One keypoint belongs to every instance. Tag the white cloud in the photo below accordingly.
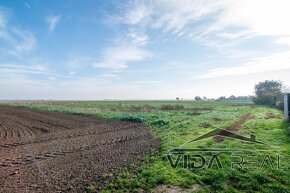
(108, 76)
(277, 61)
(183, 18)
(262, 17)
(139, 11)
(283, 40)
(126, 49)
(129, 47)
(2, 19)
(28, 42)
(236, 35)
(17, 40)
(23, 69)
(79, 62)
(138, 38)
(118, 57)
(171, 16)
(52, 22)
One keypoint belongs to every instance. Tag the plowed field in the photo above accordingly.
(57, 152)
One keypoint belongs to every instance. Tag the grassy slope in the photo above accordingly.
(175, 123)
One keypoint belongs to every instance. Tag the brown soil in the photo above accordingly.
(235, 127)
(57, 152)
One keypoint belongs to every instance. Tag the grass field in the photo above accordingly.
(177, 122)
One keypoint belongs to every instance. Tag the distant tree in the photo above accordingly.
(269, 86)
(232, 97)
(204, 98)
(268, 92)
(221, 98)
(177, 98)
(197, 98)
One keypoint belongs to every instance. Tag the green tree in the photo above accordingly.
(232, 97)
(197, 98)
(221, 98)
(268, 92)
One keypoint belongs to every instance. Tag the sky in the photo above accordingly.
(153, 49)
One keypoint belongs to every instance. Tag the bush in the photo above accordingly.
(268, 99)
(269, 92)
(131, 118)
(280, 105)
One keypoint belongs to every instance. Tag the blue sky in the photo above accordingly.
(159, 49)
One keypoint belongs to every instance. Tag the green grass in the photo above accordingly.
(90, 188)
(177, 122)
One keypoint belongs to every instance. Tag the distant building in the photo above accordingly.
(236, 100)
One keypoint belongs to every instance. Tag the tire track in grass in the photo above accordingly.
(235, 127)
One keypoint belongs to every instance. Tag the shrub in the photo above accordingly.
(267, 99)
(280, 105)
(132, 118)
(269, 92)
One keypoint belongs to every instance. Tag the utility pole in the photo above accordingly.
(286, 106)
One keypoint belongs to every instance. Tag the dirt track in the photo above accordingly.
(57, 152)
(235, 127)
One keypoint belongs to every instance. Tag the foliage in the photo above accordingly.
(280, 105)
(197, 98)
(266, 99)
(268, 86)
(131, 118)
(268, 92)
